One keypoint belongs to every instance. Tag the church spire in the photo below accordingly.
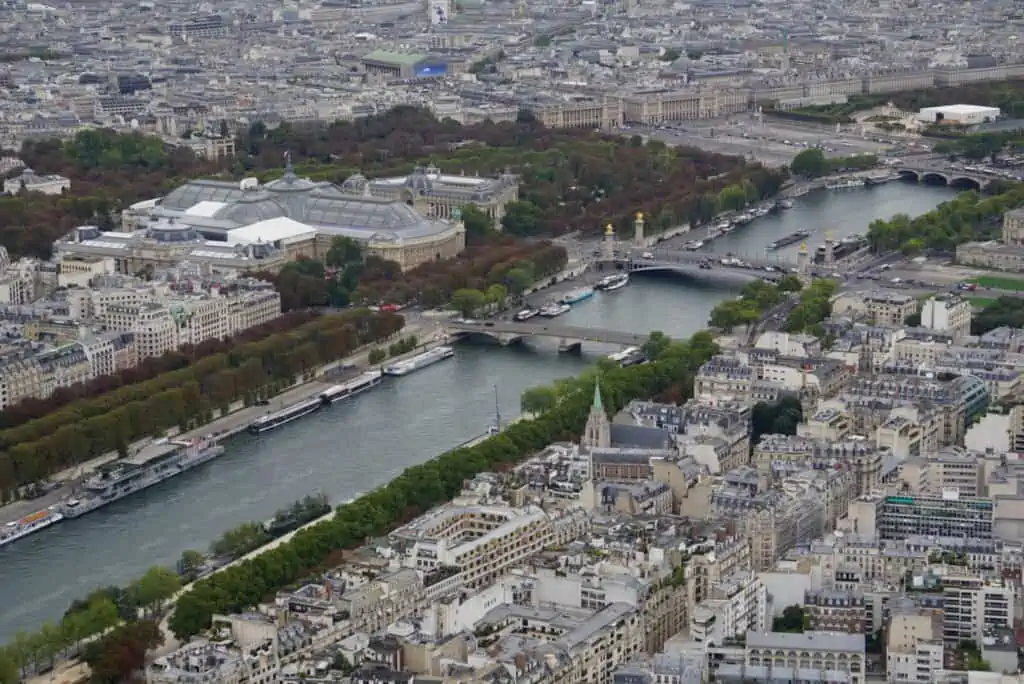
(597, 432)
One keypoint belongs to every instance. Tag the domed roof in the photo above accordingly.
(290, 183)
(171, 232)
(421, 179)
(252, 210)
(355, 183)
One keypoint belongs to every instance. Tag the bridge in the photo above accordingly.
(707, 264)
(945, 174)
(507, 332)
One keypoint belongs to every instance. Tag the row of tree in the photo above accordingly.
(147, 369)
(128, 610)
(421, 487)
(813, 163)
(814, 307)
(756, 297)
(969, 216)
(185, 398)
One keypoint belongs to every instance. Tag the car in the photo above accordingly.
(647, 255)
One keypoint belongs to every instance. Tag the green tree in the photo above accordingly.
(656, 345)
(476, 221)
(518, 280)
(376, 356)
(810, 163)
(521, 218)
(153, 588)
(775, 418)
(538, 400)
(790, 283)
(9, 670)
(468, 301)
(344, 251)
(732, 198)
(497, 294)
(793, 620)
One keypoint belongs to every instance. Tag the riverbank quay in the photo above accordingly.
(422, 487)
(236, 420)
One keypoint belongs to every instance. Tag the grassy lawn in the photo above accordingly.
(999, 283)
(980, 302)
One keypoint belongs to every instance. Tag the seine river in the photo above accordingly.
(356, 446)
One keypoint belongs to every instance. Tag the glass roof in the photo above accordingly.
(193, 193)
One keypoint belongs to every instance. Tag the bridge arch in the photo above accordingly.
(909, 174)
(933, 178)
(964, 182)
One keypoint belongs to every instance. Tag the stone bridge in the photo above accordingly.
(507, 332)
(946, 175)
(709, 264)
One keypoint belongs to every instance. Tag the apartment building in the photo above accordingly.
(882, 308)
(856, 455)
(902, 516)
(836, 611)
(821, 651)
(973, 604)
(947, 314)
(914, 646)
(483, 540)
(950, 469)
(736, 604)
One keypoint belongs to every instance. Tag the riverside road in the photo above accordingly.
(357, 445)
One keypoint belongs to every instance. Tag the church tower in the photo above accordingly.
(598, 432)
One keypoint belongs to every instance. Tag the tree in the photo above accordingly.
(344, 251)
(376, 356)
(790, 283)
(538, 400)
(793, 620)
(468, 301)
(810, 163)
(476, 221)
(775, 418)
(153, 588)
(656, 344)
(521, 218)
(732, 198)
(119, 655)
(496, 295)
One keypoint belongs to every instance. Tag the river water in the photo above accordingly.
(355, 446)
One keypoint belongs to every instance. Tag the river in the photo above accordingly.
(355, 446)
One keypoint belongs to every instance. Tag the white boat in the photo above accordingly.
(153, 464)
(285, 415)
(615, 282)
(13, 531)
(525, 315)
(847, 184)
(556, 309)
(351, 388)
(693, 245)
(423, 360)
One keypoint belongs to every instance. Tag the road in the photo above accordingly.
(416, 325)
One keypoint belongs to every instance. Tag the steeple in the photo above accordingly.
(598, 431)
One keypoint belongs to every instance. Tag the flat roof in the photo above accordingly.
(825, 641)
(398, 58)
(269, 230)
(961, 109)
(206, 208)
